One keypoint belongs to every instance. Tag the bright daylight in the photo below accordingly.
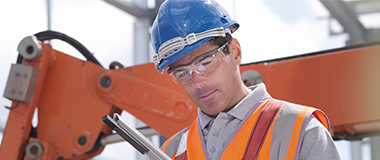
(190, 79)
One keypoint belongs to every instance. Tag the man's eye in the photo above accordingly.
(206, 63)
(182, 74)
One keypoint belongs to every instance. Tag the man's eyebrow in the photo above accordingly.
(203, 58)
(200, 59)
(180, 69)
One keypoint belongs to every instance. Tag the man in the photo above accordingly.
(192, 38)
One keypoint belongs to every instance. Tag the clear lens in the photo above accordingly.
(202, 65)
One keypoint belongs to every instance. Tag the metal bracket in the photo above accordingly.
(21, 82)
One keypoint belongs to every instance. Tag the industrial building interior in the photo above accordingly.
(354, 22)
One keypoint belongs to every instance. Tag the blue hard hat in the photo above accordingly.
(182, 26)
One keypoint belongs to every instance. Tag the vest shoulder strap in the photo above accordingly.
(261, 128)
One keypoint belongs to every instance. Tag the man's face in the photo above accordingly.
(219, 90)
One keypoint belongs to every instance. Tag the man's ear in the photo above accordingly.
(236, 51)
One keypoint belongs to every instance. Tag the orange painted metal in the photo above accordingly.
(71, 99)
(344, 84)
(70, 109)
(48, 150)
(151, 97)
(17, 131)
(71, 103)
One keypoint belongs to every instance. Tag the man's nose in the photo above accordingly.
(198, 79)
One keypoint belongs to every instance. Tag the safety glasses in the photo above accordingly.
(175, 45)
(202, 65)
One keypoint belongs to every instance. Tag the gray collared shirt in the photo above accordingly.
(218, 131)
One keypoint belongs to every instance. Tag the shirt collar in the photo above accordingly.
(258, 92)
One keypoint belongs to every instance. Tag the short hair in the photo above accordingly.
(219, 41)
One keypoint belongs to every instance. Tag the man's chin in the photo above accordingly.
(211, 112)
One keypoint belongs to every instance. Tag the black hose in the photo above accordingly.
(19, 59)
(49, 35)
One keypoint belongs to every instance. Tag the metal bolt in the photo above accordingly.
(29, 49)
(82, 140)
(34, 150)
(105, 81)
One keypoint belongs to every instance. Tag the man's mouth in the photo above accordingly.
(207, 95)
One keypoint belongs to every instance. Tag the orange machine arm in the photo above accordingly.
(344, 83)
(72, 96)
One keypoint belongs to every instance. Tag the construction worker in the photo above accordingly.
(193, 44)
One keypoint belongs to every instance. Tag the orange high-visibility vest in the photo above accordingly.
(188, 144)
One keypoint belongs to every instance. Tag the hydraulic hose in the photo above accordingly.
(49, 35)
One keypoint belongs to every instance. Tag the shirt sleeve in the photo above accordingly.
(317, 143)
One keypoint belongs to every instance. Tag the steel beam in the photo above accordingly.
(133, 9)
(1, 128)
(365, 7)
(375, 147)
(347, 17)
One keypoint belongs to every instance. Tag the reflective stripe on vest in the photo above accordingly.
(170, 147)
(283, 139)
